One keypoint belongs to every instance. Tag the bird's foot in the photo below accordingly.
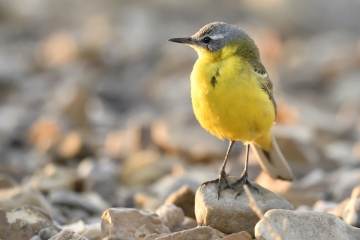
(222, 175)
(243, 180)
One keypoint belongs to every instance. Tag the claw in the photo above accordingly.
(222, 175)
(242, 181)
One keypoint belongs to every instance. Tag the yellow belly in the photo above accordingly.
(234, 106)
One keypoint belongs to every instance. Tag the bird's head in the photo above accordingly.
(215, 37)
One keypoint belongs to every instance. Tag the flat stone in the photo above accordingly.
(130, 223)
(304, 225)
(199, 233)
(229, 214)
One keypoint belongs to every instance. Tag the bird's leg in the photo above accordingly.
(222, 174)
(244, 176)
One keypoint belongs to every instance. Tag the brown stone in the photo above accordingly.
(185, 199)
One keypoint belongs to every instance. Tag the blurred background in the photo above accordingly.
(93, 98)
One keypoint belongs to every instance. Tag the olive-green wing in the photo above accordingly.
(264, 80)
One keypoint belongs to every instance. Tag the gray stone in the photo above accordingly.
(67, 234)
(47, 233)
(130, 223)
(229, 214)
(23, 223)
(171, 215)
(304, 225)
(199, 233)
(20, 196)
(76, 200)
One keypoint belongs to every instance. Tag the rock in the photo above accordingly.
(47, 233)
(144, 167)
(189, 223)
(324, 206)
(67, 234)
(351, 213)
(7, 181)
(185, 199)
(355, 192)
(44, 133)
(229, 214)
(131, 223)
(36, 237)
(20, 196)
(53, 177)
(171, 215)
(305, 191)
(339, 209)
(199, 233)
(78, 227)
(172, 135)
(23, 222)
(314, 225)
(89, 202)
(344, 180)
(295, 143)
(92, 234)
(72, 145)
(146, 201)
(238, 236)
(97, 173)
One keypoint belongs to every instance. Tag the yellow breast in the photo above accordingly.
(228, 100)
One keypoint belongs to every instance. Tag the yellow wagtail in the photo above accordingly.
(232, 97)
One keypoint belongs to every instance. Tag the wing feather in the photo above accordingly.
(264, 80)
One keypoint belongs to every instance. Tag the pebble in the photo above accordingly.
(91, 203)
(53, 177)
(203, 232)
(144, 167)
(171, 215)
(92, 234)
(351, 213)
(19, 196)
(355, 192)
(97, 173)
(47, 233)
(229, 214)
(129, 223)
(314, 225)
(68, 235)
(173, 136)
(238, 236)
(7, 181)
(23, 223)
(185, 199)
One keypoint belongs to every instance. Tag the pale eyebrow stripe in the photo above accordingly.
(214, 37)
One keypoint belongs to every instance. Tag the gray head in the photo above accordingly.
(214, 36)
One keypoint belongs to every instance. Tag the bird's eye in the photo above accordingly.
(206, 39)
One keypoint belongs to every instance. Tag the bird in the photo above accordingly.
(232, 98)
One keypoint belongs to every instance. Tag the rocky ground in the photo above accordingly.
(98, 139)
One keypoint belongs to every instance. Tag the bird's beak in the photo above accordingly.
(186, 40)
